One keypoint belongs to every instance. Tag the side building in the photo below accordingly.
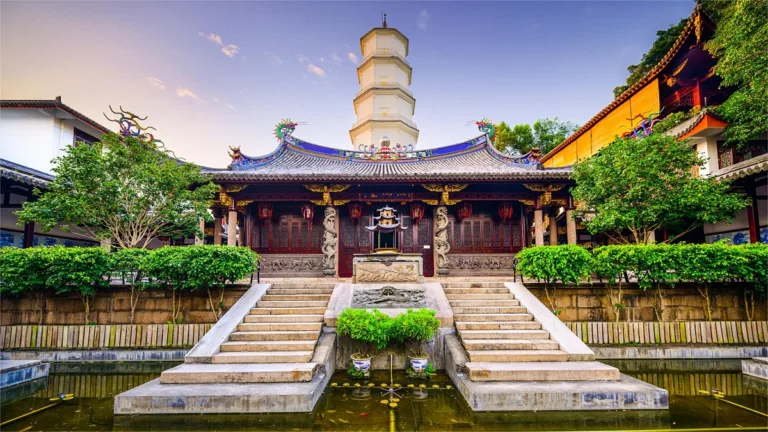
(684, 84)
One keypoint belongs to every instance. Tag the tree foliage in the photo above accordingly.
(370, 329)
(564, 263)
(415, 327)
(663, 43)
(122, 189)
(740, 43)
(545, 134)
(641, 185)
(82, 271)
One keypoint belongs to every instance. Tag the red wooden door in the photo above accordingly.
(418, 239)
(353, 238)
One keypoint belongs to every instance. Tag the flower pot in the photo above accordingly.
(361, 363)
(419, 364)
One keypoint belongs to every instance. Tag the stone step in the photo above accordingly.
(287, 311)
(295, 297)
(484, 302)
(252, 327)
(284, 291)
(518, 356)
(490, 310)
(507, 325)
(295, 318)
(262, 357)
(503, 334)
(240, 374)
(492, 317)
(290, 304)
(292, 286)
(473, 285)
(268, 346)
(485, 297)
(503, 290)
(274, 335)
(541, 371)
(509, 344)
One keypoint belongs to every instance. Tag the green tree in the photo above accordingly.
(548, 133)
(503, 138)
(122, 189)
(740, 45)
(641, 185)
(663, 43)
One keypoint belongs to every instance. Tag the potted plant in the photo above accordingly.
(414, 328)
(369, 329)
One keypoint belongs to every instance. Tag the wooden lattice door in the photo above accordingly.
(353, 239)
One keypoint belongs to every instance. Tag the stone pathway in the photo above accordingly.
(283, 327)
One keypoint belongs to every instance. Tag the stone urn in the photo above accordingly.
(360, 363)
(419, 363)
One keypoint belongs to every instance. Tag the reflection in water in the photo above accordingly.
(358, 405)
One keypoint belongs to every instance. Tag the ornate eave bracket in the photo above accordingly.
(326, 190)
(444, 190)
(546, 189)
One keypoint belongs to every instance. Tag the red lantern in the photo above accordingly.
(506, 211)
(465, 210)
(355, 211)
(265, 211)
(417, 212)
(307, 211)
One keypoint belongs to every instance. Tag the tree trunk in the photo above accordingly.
(749, 304)
(550, 299)
(704, 291)
(658, 303)
(40, 307)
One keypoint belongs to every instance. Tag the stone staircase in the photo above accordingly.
(274, 343)
(504, 342)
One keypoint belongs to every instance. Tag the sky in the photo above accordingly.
(216, 74)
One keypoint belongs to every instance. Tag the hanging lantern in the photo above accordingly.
(465, 210)
(417, 212)
(307, 211)
(265, 211)
(506, 210)
(355, 211)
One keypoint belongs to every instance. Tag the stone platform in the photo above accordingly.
(757, 367)
(13, 372)
(387, 267)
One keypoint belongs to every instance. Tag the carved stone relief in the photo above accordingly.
(287, 264)
(442, 246)
(481, 264)
(388, 297)
(380, 272)
(330, 241)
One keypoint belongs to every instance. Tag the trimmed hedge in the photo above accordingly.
(84, 270)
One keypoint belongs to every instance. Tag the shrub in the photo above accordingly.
(370, 329)
(416, 327)
(754, 274)
(566, 263)
(79, 270)
(25, 271)
(167, 268)
(613, 263)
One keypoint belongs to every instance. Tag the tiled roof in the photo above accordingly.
(56, 103)
(23, 174)
(688, 125)
(651, 75)
(475, 160)
(742, 169)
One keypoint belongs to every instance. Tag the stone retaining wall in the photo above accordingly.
(113, 306)
(681, 303)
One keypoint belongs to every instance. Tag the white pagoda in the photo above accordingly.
(384, 105)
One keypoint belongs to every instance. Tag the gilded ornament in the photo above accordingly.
(225, 200)
(234, 187)
(445, 190)
(242, 205)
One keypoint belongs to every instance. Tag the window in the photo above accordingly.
(82, 137)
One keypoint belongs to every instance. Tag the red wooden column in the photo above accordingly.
(753, 216)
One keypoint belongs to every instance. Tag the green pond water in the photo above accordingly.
(350, 408)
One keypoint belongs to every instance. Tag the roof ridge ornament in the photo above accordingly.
(285, 128)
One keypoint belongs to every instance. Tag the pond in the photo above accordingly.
(437, 407)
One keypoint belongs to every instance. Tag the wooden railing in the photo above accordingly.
(75, 337)
(671, 332)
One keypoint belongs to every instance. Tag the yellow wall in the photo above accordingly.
(615, 123)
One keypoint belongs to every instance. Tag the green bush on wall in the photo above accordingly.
(415, 327)
(565, 263)
(370, 329)
(84, 270)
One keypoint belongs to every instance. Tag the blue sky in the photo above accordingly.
(215, 74)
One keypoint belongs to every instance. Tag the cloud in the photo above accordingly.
(317, 70)
(216, 99)
(322, 59)
(422, 19)
(303, 58)
(276, 60)
(229, 50)
(335, 58)
(352, 57)
(183, 92)
(229, 106)
(157, 82)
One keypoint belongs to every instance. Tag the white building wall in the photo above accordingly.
(28, 137)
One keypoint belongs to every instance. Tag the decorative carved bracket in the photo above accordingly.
(234, 187)
(225, 200)
(444, 190)
(546, 189)
(242, 204)
(326, 190)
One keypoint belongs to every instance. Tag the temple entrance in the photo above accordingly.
(354, 239)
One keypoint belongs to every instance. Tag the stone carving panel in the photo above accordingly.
(388, 297)
(287, 265)
(382, 272)
(481, 264)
